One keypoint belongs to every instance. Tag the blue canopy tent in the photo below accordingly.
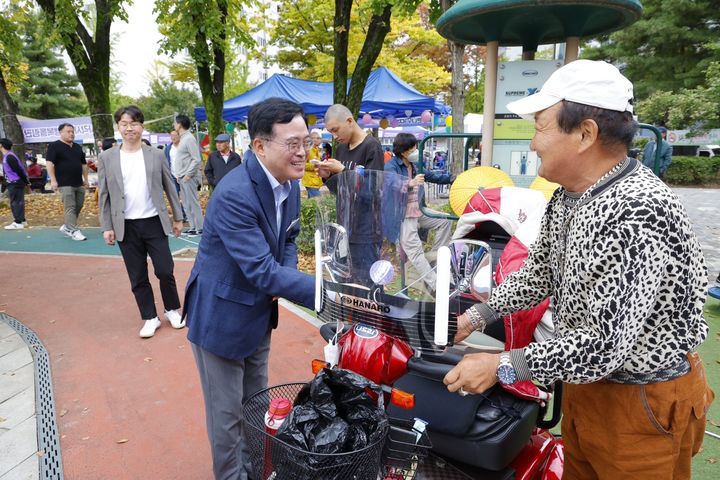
(385, 94)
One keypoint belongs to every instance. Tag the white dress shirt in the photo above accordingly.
(281, 191)
(173, 154)
(138, 203)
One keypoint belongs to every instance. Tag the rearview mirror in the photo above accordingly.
(471, 268)
(337, 257)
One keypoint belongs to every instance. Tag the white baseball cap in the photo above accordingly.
(588, 82)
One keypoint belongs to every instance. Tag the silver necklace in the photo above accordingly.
(570, 215)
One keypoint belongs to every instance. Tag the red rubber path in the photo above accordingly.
(126, 408)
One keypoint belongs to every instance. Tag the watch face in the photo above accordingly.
(506, 374)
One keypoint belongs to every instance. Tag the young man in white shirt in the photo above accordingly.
(131, 180)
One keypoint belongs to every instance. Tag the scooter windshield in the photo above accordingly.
(368, 275)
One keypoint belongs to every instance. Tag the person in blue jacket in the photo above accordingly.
(247, 258)
(404, 163)
(714, 291)
(665, 153)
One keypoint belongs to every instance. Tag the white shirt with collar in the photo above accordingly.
(138, 203)
(281, 191)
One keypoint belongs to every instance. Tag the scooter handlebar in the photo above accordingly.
(436, 369)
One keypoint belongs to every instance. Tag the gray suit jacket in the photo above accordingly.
(112, 190)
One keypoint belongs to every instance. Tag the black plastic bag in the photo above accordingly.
(334, 414)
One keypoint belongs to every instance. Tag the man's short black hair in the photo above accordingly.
(63, 125)
(263, 115)
(614, 128)
(132, 111)
(184, 121)
(108, 143)
(403, 142)
(6, 143)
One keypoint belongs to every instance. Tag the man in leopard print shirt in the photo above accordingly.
(618, 257)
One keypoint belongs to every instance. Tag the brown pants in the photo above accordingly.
(619, 431)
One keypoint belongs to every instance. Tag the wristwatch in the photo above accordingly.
(506, 372)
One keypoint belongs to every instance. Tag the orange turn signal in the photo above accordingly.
(318, 365)
(402, 399)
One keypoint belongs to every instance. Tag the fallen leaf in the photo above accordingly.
(715, 423)
(2, 419)
(52, 321)
(122, 440)
(40, 453)
(63, 412)
(86, 438)
(147, 359)
(712, 460)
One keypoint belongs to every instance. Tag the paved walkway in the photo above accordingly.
(126, 408)
(50, 240)
(703, 207)
(19, 458)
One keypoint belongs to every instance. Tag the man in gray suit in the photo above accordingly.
(131, 179)
(187, 169)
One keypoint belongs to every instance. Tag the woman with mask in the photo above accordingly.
(404, 163)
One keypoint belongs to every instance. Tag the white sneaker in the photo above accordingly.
(174, 318)
(78, 236)
(148, 330)
(14, 226)
(63, 229)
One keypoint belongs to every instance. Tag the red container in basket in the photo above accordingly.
(277, 412)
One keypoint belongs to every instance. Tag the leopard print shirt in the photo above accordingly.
(626, 277)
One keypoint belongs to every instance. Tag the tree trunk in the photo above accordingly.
(212, 100)
(10, 123)
(457, 101)
(90, 55)
(212, 81)
(341, 36)
(457, 89)
(377, 31)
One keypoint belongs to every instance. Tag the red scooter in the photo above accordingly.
(384, 322)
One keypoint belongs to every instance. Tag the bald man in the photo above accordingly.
(355, 147)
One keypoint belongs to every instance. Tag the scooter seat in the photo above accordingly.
(486, 431)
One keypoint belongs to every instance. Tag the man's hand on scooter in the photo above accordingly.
(464, 328)
(475, 373)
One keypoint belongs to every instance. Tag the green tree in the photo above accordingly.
(13, 70)
(697, 109)
(668, 49)
(85, 34)
(164, 100)
(378, 26)
(412, 49)
(474, 78)
(236, 79)
(457, 84)
(236, 75)
(207, 30)
(49, 90)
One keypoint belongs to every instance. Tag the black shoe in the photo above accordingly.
(192, 233)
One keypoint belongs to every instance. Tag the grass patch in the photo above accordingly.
(706, 464)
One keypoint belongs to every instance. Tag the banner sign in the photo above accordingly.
(680, 137)
(46, 131)
(511, 142)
